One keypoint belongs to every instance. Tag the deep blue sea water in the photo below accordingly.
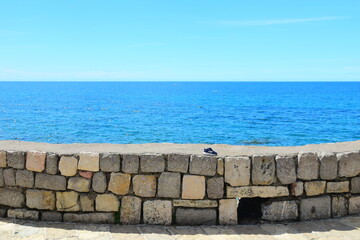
(240, 113)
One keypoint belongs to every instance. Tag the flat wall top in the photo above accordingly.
(165, 148)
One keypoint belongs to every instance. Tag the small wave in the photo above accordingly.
(256, 142)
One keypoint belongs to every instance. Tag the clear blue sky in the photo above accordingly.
(278, 40)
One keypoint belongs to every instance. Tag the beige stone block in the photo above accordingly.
(220, 166)
(130, 212)
(79, 184)
(35, 161)
(2, 159)
(68, 165)
(119, 183)
(157, 212)
(87, 203)
(338, 187)
(107, 203)
(228, 212)
(257, 191)
(195, 203)
(237, 171)
(89, 161)
(193, 187)
(67, 201)
(40, 199)
(144, 185)
(315, 188)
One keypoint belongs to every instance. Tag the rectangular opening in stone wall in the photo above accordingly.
(249, 210)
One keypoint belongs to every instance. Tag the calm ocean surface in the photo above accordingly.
(242, 113)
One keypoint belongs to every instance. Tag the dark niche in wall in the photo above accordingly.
(249, 210)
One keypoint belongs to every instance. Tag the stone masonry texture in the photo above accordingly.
(110, 162)
(52, 161)
(308, 166)
(130, 163)
(328, 166)
(263, 170)
(152, 163)
(178, 163)
(35, 161)
(203, 165)
(237, 171)
(15, 159)
(169, 185)
(286, 169)
(349, 164)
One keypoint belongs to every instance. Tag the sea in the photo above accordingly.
(237, 113)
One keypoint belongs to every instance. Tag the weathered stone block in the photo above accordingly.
(3, 212)
(280, 211)
(205, 166)
(215, 187)
(99, 182)
(15, 159)
(67, 201)
(24, 178)
(328, 166)
(130, 163)
(52, 161)
(355, 185)
(87, 203)
(119, 183)
(9, 177)
(11, 197)
(79, 184)
(337, 187)
(339, 206)
(110, 162)
(68, 165)
(195, 203)
(89, 217)
(237, 171)
(195, 216)
(178, 163)
(2, 159)
(257, 191)
(220, 166)
(315, 208)
(23, 214)
(308, 166)
(193, 187)
(297, 189)
(354, 205)
(1, 177)
(228, 212)
(51, 216)
(40, 199)
(349, 164)
(51, 182)
(263, 170)
(107, 203)
(144, 185)
(286, 169)
(157, 212)
(315, 188)
(35, 161)
(152, 163)
(169, 185)
(86, 174)
(89, 161)
(130, 212)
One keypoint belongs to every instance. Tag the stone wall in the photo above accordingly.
(174, 188)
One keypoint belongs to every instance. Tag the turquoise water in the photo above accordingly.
(242, 113)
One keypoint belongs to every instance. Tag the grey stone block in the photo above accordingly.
(99, 182)
(297, 188)
(280, 211)
(130, 163)
(51, 216)
(263, 170)
(9, 177)
(237, 171)
(52, 161)
(24, 178)
(355, 185)
(328, 166)
(16, 159)
(308, 166)
(52, 182)
(354, 205)
(130, 212)
(178, 163)
(157, 212)
(152, 163)
(89, 217)
(349, 164)
(23, 214)
(315, 208)
(11, 197)
(195, 216)
(205, 166)
(339, 206)
(169, 185)
(1, 177)
(286, 169)
(3, 212)
(109, 162)
(215, 187)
